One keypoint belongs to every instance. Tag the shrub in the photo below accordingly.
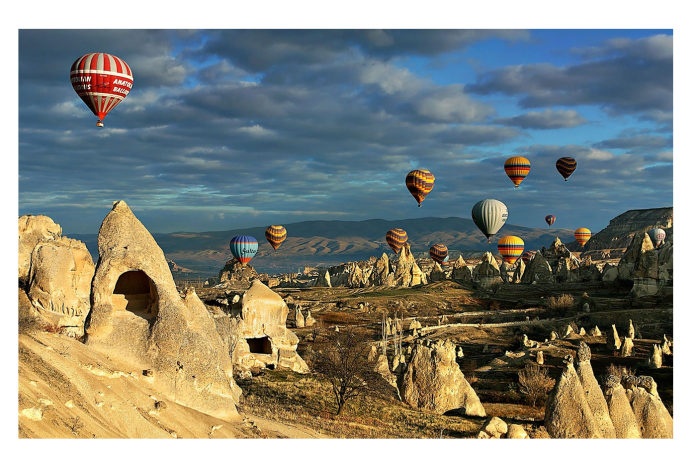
(563, 302)
(535, 383)
(619, 371)
(470, 371)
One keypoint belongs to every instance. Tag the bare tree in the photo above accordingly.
(343, 362)
(535, 382)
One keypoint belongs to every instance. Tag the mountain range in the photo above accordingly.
(330, 242)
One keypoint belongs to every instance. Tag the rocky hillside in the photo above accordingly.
(612, 241)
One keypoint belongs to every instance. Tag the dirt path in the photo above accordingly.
(276, 429)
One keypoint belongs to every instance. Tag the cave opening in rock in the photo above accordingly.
(136, 292)
(260, 345)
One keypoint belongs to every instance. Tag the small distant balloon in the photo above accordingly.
(517, 169)
(550, 219)
(419, 184)
(102, 81)
(244, 248)
(657, 236)
(511, 247)
(489, 216)
(439, 253)
(582, 236)
(566, 166)
(275, 234)
(396, 238)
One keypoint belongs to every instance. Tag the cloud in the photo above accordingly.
(636, 142)
(638, 79)
(549, 119)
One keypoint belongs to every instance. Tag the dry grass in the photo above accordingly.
(563, 302)
(305, 400)
(619, 371)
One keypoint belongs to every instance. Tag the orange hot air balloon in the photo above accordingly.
(510, 247)
(102, 81)
(517, 169)
(582, 236)
(275, 234)
(396, 238)
(419, 184)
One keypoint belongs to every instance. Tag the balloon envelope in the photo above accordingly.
(439, 253)
(517, 169)
(419, 184)
(657, 236)
(566, 166)
(102, 81)
(244, 248)
(511, 247)
(396, 238)
(582, 235)
(550, 219)
(489, 216)
(275, 234)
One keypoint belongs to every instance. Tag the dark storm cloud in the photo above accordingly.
(632, 76)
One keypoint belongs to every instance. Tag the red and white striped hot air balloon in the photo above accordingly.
(102, 81)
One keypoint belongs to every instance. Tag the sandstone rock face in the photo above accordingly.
(518, 271)
(33, 229)
(621, 413)
(434, 381)
(139, 318)
(255, 332)
(460, 270)
(538, 270)
(567, 414)
(594, 395)
(407, 272)
(437, 274)
(380, 273)
(323, 280)
(488, 268)
(237, 274)
(652, 416)
(59, 283)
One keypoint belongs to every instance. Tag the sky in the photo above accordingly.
(228, 129)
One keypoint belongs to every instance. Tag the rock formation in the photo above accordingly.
(655, 359)
(516, 431)
(537, 270)
(567, 414)
(237, 275)
(621, 413)
(139, 319)
(309, 321)
(540, 358)
(299, 319)
(493, 427)
(594, 395)
(652, 416)
(596, 332)
(630, 331)
(487, 271)
(461, 271)
(255, 332)
(627, 349)
(613, 340)
(434, 381)
(437, 274)
(33, 229)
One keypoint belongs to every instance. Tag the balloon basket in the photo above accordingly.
(100, 124)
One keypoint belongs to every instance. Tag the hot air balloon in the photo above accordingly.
(102, 81)
(511, 247)
(489, 215)
(550, 219)
(420, 183)
(517, 169)
(396, 238)
(566, 166)
(275, 234)
(244, 248)
(657, 236)
(439, 253)
(527, 256)
(582, 236)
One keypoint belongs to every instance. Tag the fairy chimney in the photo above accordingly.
(567, 413)
(620, 410)
(138, 318)
(613, 340)
(594, 395)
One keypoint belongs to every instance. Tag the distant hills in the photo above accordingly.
(324, 243)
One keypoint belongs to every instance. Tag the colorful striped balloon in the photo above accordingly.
(510, 247)
(396, 238)
(439, 253)
(244, 248)
(582, 235)
(102, 81)
(550, 219)
(527, 256)
(657, 236)
(275, 234)
(419, 184)
(566, 166)
(517, 169)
